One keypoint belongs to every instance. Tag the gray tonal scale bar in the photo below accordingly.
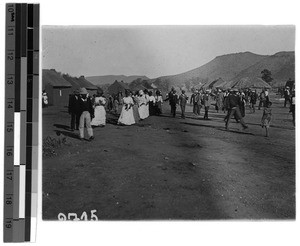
(21, 121)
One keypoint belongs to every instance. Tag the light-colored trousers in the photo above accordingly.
(85, 118)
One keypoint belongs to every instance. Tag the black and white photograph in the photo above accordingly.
(168, 122)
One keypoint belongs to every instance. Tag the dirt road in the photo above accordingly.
(166, 168)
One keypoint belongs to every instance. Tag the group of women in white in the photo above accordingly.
(134, 107)
(139, 107)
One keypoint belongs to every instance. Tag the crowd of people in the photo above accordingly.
(233, 102)
(90, 111)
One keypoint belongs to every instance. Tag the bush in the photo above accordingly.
(51, 144)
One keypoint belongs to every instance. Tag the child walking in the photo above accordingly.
(266, 117)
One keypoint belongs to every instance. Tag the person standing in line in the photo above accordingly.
(116, 104)
(253, 99)
(206, 103)
(99, 110)
(219, 100)
(266, 117)
(242, 103)
(74, 110)
(142, 102)
(126, 116)
(293, 105)
(196, 102)
(159, 102)
(234, 109)
(110, 103)
(152, 110)
(146, 92)
(173, 100)
(44, 99)
(87, 114)
(135, 107)
(262, 99)
(287, 96)
(225, 95)
(183, 98)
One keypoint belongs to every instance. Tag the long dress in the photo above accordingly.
(126, 116)
(152, 110)
(143, 108)
(147, 104)
(158, 104)
(135, 109)
(100, 113)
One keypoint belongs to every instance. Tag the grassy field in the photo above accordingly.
(166, 168)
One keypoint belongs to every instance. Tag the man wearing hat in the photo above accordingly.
(87, 113)
(173, 100)
(74, 110)
(183, 98)
(206, 103)
(196, 102)
(234, 108)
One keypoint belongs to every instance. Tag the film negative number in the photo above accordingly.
(74, 216)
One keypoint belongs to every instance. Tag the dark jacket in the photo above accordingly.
(86, 105)
(253, 97)
(233, 101)
(173, 98)
(73, 107)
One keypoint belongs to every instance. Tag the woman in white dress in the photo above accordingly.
(100, 113)
(143, 108)
(126, 116)
(147, 100)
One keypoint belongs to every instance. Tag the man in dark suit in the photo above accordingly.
(173, 100)
(196, 102)
(234, 102)
(74, 110)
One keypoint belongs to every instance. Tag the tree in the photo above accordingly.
(266, 75)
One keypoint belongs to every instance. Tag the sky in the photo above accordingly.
(153, 51)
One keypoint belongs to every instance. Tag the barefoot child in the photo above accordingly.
(266, 118)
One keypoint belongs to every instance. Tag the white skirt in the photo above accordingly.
(143, 111)
(126, 117)
(100, 116)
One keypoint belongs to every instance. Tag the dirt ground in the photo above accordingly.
(166, 168)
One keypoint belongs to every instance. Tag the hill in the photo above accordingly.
(281, 65)
(109, 79)
(225, 67)
(234, 67)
